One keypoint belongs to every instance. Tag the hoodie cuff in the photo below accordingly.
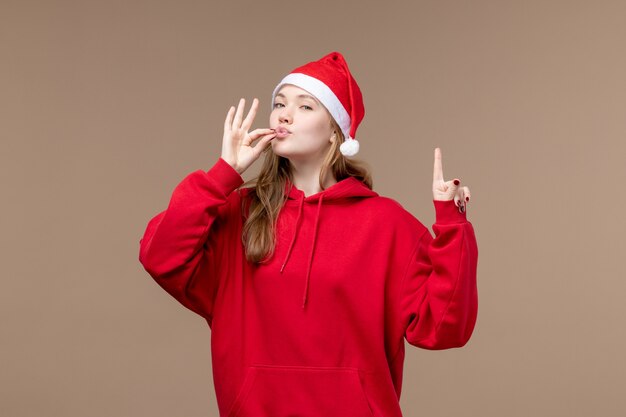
(446, 212)
(227, 179)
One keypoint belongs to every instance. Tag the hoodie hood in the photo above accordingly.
(342, 192)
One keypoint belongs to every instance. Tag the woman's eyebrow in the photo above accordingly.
(299, 96)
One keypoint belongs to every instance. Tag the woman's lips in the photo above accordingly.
(281, 132)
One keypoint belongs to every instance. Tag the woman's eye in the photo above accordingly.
(281, 104)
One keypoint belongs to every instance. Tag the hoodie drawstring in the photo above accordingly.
(308, 269)
(293, 241)
(295, 233)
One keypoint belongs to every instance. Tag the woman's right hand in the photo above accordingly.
(236, 149)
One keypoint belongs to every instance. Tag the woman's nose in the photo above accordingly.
(284, 116)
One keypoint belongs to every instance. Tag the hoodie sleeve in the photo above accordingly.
(439, 298)
(180, 245)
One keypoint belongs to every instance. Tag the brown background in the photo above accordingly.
(107, 105)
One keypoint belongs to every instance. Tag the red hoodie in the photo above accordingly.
(319, 329)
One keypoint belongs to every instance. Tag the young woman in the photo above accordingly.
(309, 280)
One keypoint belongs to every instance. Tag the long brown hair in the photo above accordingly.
(266, 195)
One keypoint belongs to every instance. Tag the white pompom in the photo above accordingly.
(350, 147)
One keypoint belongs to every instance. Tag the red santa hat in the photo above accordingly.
(330, 81)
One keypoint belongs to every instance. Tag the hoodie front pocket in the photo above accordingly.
(299, 391)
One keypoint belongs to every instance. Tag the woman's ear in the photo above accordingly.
(333, 137)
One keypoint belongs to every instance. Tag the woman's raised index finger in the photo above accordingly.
(438, 169)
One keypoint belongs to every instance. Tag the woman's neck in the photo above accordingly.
(306, 178)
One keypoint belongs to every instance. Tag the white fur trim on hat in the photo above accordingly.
(324, 94)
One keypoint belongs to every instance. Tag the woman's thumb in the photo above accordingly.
(453, 185)
(263, 143)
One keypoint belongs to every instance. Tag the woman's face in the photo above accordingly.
(308, 121)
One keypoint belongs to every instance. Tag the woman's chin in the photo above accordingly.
(278, 149)
(279, 143)
(285, 153)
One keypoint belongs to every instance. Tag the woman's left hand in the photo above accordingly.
(448, 190)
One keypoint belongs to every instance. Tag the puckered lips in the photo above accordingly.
(282, 132)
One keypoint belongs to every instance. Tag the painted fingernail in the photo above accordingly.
(466, 198)
(456, 182)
